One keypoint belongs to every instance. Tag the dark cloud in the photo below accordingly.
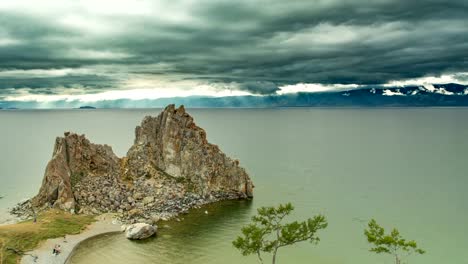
(90, 81)
(256, 45)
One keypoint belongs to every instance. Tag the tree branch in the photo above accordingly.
(259, 257)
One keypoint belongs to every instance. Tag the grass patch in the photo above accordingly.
(26, 236)
(185, 181)
(76, 178)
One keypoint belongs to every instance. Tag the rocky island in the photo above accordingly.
(170, 168)
(87, 190)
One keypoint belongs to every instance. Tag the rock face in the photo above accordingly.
(140, 231)
(74, 158)
(170, 168)
(173, 144)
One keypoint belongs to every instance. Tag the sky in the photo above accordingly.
(88, 51)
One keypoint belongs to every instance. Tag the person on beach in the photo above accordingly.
(34, 216)
(56, 250)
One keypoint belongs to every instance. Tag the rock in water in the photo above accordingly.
(174, 144)
(170, 168)
(140, 231)
(74, 158)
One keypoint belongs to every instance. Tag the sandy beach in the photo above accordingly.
(43, 254)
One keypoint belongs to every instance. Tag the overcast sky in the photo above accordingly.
(92, 50)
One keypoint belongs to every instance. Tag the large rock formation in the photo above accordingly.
(170, 168)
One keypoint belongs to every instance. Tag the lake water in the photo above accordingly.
(406, 168)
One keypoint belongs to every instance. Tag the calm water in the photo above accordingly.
(405, 167)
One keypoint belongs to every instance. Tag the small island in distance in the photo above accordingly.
(87, 107)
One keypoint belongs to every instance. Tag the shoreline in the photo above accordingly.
(104, 224)
(6, 218)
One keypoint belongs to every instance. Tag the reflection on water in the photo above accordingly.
(188, 241)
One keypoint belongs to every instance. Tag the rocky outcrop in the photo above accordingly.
(74, 158)
(170, 168)
(140, 231)
(173, 144)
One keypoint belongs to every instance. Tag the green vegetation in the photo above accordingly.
(393, 243)
(25, 236)
(182, 180)
(267, 233)
(76, 178)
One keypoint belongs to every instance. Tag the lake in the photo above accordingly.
(405, 167)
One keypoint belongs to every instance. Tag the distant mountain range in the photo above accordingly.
(433, 95)
(429, 95)
(372, 96)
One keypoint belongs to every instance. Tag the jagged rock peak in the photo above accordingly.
(73, 158)
(173, 144)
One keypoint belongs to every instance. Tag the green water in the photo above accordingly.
(405, 167)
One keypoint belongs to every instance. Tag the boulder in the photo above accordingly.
(148, 200)
(140, 231)
(138, 196)
(135, 213)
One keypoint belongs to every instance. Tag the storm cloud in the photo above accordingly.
(226, 47)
